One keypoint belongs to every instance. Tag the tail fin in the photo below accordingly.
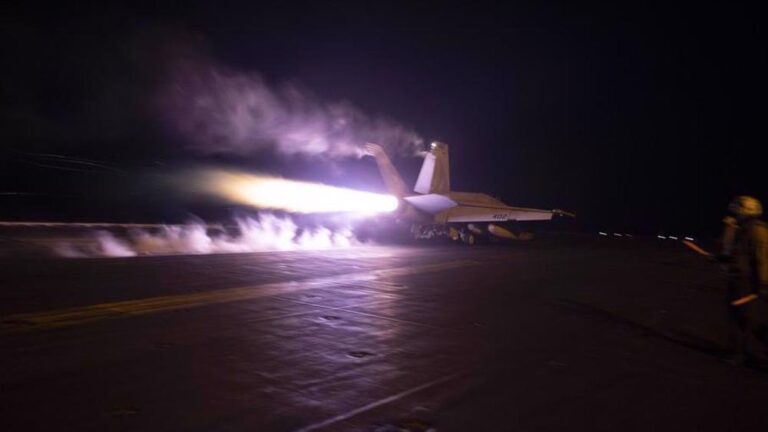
(393, 181)
(434, 176)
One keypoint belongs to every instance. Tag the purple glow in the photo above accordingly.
(219, 110)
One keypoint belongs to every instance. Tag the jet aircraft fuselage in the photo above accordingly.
(435, 210)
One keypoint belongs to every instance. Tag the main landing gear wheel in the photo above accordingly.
(468, 238)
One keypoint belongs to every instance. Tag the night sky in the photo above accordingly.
(639, 117)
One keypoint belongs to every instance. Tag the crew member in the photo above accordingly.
(745, 251)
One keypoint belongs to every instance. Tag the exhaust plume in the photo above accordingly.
(292, 196)
(218, 110)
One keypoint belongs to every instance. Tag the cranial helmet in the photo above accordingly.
(746, 206)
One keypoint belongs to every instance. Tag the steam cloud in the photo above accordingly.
(223, 111)
(265, 233)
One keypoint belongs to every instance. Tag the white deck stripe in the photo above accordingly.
(378, 403)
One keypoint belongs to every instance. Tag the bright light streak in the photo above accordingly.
(661, 237)
(294, 196)
(602, 233)
(673, 238)
(689, 238)
(617, 235)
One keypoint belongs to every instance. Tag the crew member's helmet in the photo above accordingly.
(746, 206)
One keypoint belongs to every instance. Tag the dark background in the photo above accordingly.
(638, 117)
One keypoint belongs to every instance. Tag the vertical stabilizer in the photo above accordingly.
(434, 175)
(394, 183)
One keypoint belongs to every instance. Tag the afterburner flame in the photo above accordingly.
(295, 196)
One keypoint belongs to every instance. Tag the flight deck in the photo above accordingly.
(565, 332)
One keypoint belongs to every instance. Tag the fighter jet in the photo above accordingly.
(436, 211)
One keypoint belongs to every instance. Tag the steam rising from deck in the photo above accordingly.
(267, 232)
(293, 196)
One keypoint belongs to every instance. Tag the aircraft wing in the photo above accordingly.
(465, 213)
(462, 207)
(431, 203)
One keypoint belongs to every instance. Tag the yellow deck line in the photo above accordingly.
(97, 312)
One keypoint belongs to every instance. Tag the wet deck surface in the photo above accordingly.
(577, 334)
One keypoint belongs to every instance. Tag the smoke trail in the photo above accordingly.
(223, 111)
(265, 233)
